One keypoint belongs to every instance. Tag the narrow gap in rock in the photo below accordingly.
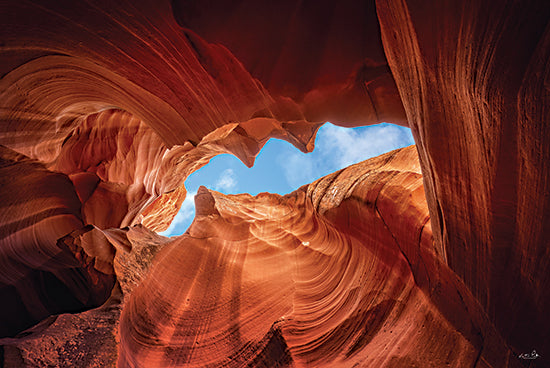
(281, 168)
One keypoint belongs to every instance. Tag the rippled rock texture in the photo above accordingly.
(430, 256)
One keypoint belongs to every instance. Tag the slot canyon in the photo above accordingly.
(432, 255)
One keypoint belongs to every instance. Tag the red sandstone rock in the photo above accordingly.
(338, 273)
(479, 109)
(106, 109)
(325, 55)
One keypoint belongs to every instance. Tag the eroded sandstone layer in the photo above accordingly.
(478, 100)
(106, 108)
(325, 276)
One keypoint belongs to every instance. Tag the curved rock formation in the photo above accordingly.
(324, 276)
(122, 105)
(482, 85)
(327, 55)
(106, 109)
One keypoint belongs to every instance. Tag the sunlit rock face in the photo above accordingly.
(107, 108)
(341, 272)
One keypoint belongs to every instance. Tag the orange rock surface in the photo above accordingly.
(478, 102)
(430, 256)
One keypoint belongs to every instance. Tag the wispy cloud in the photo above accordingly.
(337, 147)
(226, 182)
(183, 217)
(348, 146)
(298, 168)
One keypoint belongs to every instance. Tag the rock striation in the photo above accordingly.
(434, 255)
(477, 101)
(324, 276)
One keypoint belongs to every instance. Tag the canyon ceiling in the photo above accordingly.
(434, 255)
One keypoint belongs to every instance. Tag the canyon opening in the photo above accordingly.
(432, 253)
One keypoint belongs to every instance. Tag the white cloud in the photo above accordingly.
(347, 146)
(183, 217)
(337, 147)
(226, 182)
(298, 168)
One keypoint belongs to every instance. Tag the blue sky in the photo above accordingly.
(282, 168)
